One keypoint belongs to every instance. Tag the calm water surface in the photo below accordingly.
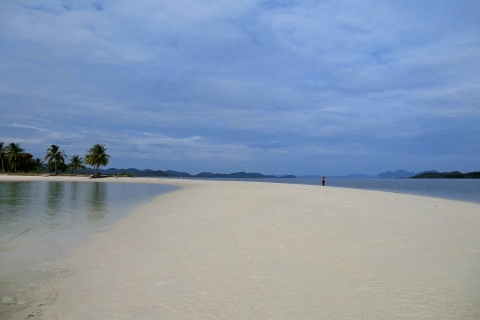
(454, 189)
(41, 222)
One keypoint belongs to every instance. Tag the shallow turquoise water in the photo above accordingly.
(41, 222)
(28, 208)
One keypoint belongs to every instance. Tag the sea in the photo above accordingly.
(467, 190)
(41, 222)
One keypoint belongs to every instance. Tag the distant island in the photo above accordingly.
(402, 174)
(447, 175)
(399, 174)
(241, 175)
(178, 174)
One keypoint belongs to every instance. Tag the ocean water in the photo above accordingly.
(455, 189)
(41, 222)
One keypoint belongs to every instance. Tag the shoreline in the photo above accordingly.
(259, 250)
(430, 191)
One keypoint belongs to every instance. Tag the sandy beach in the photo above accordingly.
(246, 250)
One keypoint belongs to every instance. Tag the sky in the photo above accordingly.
(277, 87)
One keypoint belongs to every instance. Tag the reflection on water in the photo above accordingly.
(97, 201)
(41, 222)
(74, 190)
(53, 200)
(15, 203)
(13, 196)
(51, 204)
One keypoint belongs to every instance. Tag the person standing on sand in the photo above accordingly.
(323, 180)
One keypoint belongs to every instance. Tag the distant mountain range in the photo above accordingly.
(239, 175)
(178, 174)
(399, 174)
(447, 175)
(402, 174)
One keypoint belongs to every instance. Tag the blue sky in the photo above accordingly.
(298, 87)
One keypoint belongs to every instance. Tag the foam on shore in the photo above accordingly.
(243, 250)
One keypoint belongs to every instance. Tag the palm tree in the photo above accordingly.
(2, 155)
(75, 163)
(97, 157)
(14, 154)
(38, 165)
(55, 156)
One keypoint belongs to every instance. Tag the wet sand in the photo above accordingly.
(244, 250)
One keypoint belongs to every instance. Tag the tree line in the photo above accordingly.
(14, 158)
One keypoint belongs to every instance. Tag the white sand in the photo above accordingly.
(243, 250)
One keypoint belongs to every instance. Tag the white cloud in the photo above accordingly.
(28, 127)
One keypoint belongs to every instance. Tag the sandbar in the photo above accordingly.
(251, 250)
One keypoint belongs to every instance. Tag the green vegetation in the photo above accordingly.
(2, 155)
(14, 159)
(15, 155)
(124, 174)
(75, 163)
(448, 175)
(55, 157)
(38, 165)
(97, 156)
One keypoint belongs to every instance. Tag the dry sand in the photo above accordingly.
(244, 250)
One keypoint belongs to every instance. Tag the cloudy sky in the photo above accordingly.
(298, 87)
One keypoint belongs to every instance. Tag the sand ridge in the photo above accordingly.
(243, 250)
